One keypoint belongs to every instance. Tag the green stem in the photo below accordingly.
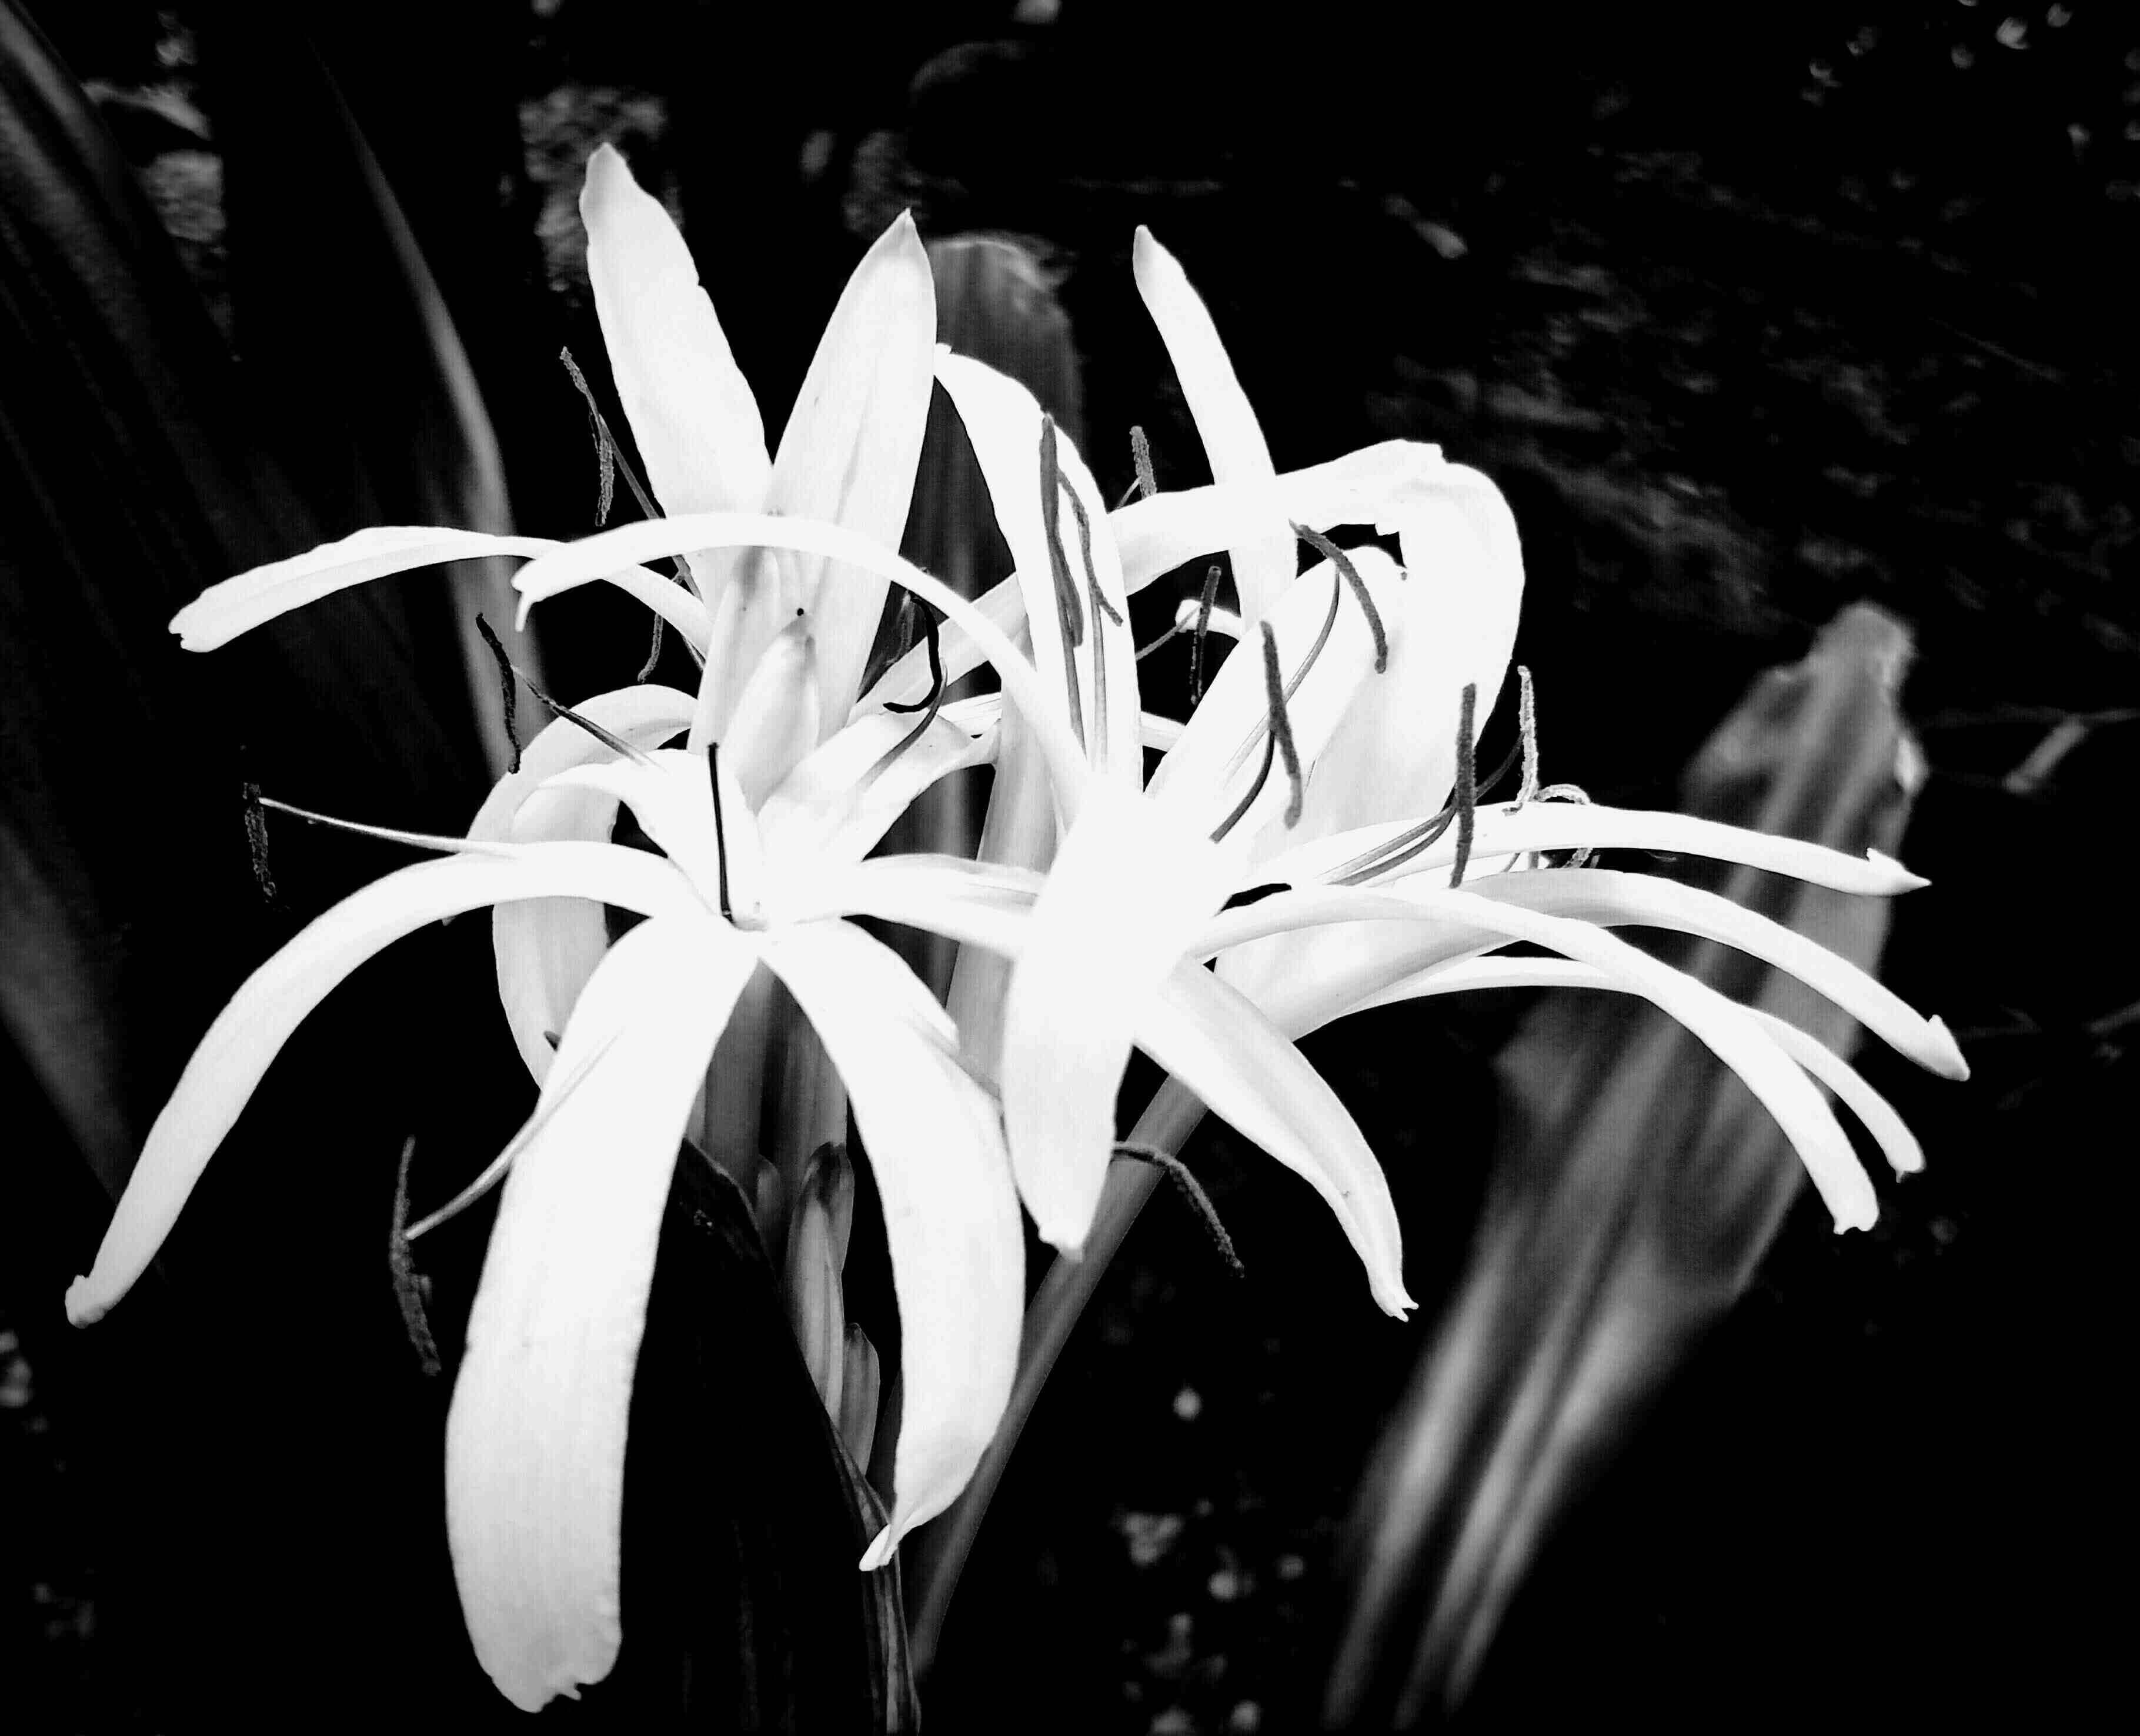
(938, 1553)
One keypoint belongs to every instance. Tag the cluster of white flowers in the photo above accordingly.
(1326, 759)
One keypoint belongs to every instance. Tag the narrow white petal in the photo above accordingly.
(235, 605)
(1505, 831)
(249, 1032)
(1250, 1076)
(1261, 540)
(691, 411)
(546, 949)
(579, 562)
(1889, 1131)
(849, 452)
(1129, 888)
(535, 1439)
(935, 1147)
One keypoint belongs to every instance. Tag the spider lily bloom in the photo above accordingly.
(1370, 689)
(536, 1437)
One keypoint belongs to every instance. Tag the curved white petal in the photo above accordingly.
(691, 411)
(1128, 888)
(536, 1436)
(1905, 1155)
(936, 1150)
(238, 605)
(1601, 896)
(1505, 831)
(1738, 1041)
(1260, 539)
(249, 1032)
(1162, 531)
(546, 949)
(849, 452)
(579, 562)
(1249, 1075)
(1003, 422)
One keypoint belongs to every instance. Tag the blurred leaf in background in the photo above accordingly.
(1635, 1188)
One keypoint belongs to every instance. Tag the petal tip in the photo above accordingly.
(880, 1553)
(1949, 1062)
(84, 1308)
(1903, 879)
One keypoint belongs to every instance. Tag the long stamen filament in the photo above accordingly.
(616, 744)
(1191, 1190)
(1343, 562)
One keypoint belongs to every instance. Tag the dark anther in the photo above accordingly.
(508, 688)
(653, 656)
(412, 1290)
(1200, 1202)
(1527, 735)
(1281, 726)
(1203, 631)
(1466, 797)
(1331, 552)
(1068, 611)
(256, 840)
(1255, 895)
(720, 828)
(1141, 457)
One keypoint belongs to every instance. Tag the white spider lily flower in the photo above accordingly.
(1372, 663)
(535, 1446)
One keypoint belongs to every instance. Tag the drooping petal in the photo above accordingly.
(849, 452)
(1262, 543)
(691, 411)
(1250, 1075)
(223, 612)
(1889, 1131)
(1504, 830)
(249, 1032)
(936, 1149)
(1003, 421)
(536, 1436)
(1299, 1003)
(1130, 886)
(546, 949)
(1600, 895)
(579, 562)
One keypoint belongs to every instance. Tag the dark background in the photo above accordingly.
(1750, 315)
